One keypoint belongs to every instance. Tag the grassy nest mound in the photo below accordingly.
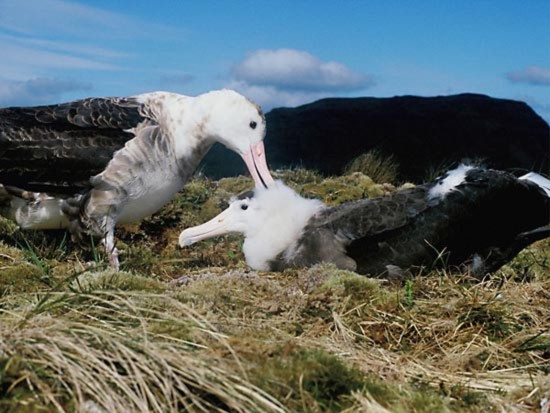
(196, 330)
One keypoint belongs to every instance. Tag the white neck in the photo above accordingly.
(182, 119)
(278, 225)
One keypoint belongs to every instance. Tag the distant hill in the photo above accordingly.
(420, 132)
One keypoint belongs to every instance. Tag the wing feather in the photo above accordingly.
(337, 233)
(57, 148)
(366, 218)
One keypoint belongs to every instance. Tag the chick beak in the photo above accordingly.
(213, 228)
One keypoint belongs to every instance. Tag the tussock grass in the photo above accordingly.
(381, 168)
(196, 330)
(134, 352)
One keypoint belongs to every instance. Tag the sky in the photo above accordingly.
(278, 53)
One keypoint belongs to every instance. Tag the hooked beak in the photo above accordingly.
(256, 163)
(213, 228)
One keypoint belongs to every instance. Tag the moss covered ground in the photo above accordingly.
(196, 330)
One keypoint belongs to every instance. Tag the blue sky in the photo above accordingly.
(279, 53)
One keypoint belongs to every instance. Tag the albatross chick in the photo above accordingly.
(475, 217)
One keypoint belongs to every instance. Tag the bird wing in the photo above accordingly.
(335, 231)
(369, 217)
(481, 215)
(57, 148)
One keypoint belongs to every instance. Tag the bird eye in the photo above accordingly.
(253, 124)
(244, 207)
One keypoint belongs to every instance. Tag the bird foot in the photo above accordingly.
(113, 259)
(111, 250)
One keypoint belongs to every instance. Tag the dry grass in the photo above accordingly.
(117, 351)
(381, 168)
(460, 346)
(195, 330)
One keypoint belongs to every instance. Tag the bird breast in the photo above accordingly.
(150, 196)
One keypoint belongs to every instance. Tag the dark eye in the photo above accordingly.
(253, 124)
(244, 207)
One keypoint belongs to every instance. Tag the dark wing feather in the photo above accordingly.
(369, 217)
(341, 234)
(485, 213)
(57, 148)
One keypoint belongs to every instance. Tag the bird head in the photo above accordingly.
(240, 217)
(270, 219)
(239, 124)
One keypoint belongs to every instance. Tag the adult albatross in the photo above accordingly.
(90, 164)
(475, 217)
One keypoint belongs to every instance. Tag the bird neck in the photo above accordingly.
(185, 120)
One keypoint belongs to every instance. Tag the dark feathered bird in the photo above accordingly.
(90, 164)
(472, 216)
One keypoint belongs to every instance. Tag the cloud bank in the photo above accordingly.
(531, 75)
(291, 77)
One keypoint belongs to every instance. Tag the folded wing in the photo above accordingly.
(57, 148)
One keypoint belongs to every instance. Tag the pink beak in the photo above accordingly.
(257, 165)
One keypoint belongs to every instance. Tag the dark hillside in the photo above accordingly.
(420, 132)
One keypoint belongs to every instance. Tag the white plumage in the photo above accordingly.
(280, 212)
(448, 184)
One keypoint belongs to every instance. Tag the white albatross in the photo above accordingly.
(473, 217)
(90, 164)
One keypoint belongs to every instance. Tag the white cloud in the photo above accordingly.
(532, 75)
(37, 91)
(269, 96)
(291, 69)
(292, 77)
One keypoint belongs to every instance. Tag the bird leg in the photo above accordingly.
(111, 250)
(71, 207)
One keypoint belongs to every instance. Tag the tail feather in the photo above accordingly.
(541, 181)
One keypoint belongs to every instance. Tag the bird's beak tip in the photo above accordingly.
(184, 242)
